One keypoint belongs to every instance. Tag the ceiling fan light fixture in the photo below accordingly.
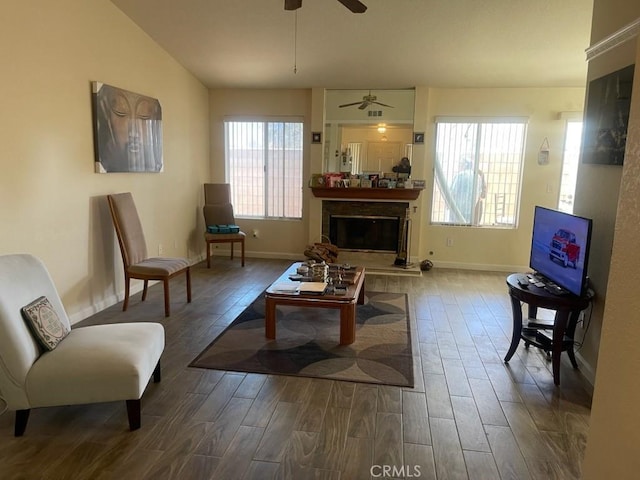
(292, 4)
(356, 6)
(366, 102)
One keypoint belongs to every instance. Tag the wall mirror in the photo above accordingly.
(367, 130)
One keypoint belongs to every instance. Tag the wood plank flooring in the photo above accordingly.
(470, 416)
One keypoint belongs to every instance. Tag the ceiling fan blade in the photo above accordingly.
(354, 5)
(292, 4)
(364, 105)
(383, 104)
(349, 104)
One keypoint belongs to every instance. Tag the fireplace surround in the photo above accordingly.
(364, 226)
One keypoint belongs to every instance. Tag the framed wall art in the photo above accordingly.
(607, 117)
(127, 130)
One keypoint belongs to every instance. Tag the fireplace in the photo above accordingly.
(364, 233)
(365, 226)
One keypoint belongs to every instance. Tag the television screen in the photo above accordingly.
(560, 248)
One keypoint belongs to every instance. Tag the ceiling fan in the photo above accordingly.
(366, 101)
(354, 5)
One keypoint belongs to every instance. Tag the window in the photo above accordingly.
(264, 168)
(570, 166)
(478, 169)
(356, 154)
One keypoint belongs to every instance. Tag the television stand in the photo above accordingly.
(563, 326)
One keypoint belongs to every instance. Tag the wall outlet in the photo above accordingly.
(449, 242)
(160, 249)
(255, 233)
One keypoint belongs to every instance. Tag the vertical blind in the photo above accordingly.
(478, 170)
(264, 168)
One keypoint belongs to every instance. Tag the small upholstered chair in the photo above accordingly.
(100, 363)
(137, 264)
(218, 210)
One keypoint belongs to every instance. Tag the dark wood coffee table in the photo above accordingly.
(345, 303)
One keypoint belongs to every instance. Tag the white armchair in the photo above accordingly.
(100, 363)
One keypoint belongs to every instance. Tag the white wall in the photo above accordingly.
(52, 204)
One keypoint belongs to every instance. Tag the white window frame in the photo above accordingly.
(574, 128)
(355, 148)
(469, 144)
(287, 204)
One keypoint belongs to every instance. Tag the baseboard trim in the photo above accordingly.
(136, 287)
(437, 264)
(222, 252)
(109, 301)
(481, 266)
(586, 369)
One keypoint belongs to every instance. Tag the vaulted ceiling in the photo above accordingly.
(394, 44)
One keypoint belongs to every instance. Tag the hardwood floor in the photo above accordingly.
(470, 416)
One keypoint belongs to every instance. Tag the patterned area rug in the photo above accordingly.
(307, 345)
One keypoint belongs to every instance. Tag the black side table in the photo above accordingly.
(567, 308)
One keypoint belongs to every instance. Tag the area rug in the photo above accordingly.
(307, 343)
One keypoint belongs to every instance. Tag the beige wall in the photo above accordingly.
(597, 193)
(612, 447)
(51, 202)
(473, 247)
(491, 248)
(276, 238)
(47, 140)
(476, 247)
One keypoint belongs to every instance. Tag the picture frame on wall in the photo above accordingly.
(316, 137)
(607, 118)
(418, 138)
(127, 130)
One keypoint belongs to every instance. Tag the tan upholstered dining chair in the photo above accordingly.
(218, 210)
(137, 264)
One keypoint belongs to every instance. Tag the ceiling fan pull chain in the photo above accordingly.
(295, 43)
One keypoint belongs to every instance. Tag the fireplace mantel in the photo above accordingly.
(367, 193)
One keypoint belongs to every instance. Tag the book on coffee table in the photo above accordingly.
(317, 288)
(286, 287)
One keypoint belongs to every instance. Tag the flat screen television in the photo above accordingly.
(560, 248)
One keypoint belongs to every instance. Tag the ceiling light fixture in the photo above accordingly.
(382, 127)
